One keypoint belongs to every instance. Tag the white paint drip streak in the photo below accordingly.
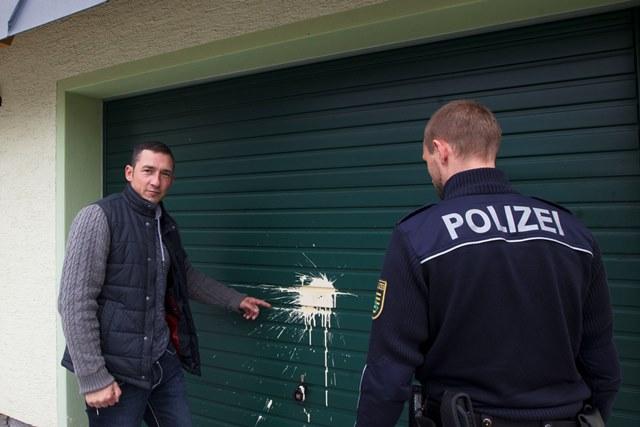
(314, 299)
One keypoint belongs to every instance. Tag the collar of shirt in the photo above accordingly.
(477, 181)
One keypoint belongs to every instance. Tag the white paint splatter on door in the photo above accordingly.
(313, 299)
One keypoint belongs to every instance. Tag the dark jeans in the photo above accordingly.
(164, 405)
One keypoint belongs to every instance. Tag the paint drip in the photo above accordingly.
(317, 299)
(314, 298)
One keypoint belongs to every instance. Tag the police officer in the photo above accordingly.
(488, 293)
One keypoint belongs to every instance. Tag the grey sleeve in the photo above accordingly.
(203, 288)
(83, 274)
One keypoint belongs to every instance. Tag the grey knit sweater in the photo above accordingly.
(83, 274)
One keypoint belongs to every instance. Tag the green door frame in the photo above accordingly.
(390, 24)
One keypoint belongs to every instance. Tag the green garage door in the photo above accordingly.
(290, 181)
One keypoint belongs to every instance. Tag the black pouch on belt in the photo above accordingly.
(590, 417)
(418, 410)
(456, 410)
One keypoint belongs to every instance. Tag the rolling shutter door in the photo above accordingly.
(304, 171)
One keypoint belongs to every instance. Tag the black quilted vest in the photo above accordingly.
(126, 302)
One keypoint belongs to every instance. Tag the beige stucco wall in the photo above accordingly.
(118, 32)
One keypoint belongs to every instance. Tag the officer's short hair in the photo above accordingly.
(155, 146)
(470, 128)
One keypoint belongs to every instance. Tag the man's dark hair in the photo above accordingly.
(155, 146)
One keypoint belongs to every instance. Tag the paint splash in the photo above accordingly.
(313, 298)
(316, 298)
(267, 407)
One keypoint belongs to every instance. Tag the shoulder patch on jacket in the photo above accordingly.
(378, 303)
(415, 212)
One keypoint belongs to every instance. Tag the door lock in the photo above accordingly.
(300, 392)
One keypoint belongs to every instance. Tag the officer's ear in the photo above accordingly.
(442, 150)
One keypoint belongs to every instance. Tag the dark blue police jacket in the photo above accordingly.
(494, 294)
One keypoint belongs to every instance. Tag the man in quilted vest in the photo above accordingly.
(124, 293)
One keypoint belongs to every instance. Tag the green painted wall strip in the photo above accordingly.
(78, 182)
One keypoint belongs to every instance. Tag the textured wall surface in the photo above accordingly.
(118, 32)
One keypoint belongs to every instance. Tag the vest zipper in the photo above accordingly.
(158, 215)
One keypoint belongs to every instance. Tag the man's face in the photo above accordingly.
(434, 169)
(151, 176)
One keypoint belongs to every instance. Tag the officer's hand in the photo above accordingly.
(250, 307)
(108, 396)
